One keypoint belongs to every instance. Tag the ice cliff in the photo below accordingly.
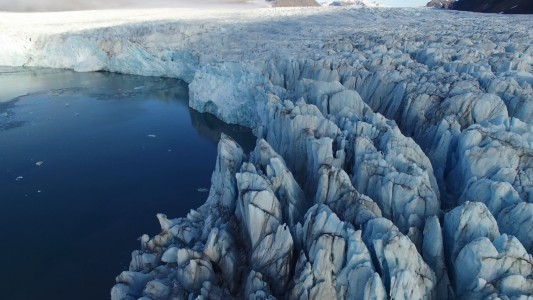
(393, 157)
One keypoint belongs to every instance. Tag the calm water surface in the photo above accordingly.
(86, 162)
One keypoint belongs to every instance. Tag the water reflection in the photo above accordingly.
(209, 127)
(25, 82)
(115, 150)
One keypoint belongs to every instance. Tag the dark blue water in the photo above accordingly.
(86, 162)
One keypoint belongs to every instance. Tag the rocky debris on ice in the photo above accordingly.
(441, 3)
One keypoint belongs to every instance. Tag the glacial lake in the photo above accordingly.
(87, 160)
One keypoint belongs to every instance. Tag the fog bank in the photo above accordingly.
(66, 5)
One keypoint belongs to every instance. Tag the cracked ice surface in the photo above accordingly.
(393, 157)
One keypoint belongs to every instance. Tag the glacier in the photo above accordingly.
(393, 155)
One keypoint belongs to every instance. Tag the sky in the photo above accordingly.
(55, 5)
(404, 2)
(59, 5)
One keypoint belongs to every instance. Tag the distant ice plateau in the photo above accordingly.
(394, 156)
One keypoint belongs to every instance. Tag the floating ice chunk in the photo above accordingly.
(203, 190)
(152, 136)
(39, 163)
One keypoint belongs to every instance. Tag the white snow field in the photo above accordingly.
(394, 155)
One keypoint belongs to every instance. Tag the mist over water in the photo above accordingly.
(69, 5)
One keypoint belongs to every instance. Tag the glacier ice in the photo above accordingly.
(393, 157)
(334, 261)
(501, 268)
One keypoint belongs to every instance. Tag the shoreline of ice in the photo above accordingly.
(394, 156)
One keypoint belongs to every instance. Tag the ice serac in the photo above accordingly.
(197, 255)
(258, 209)
(264, 251)
(465, 223)
(405, 274)
(285, 187)
(334, 262)
(503, 201)
(493, 164)
(240, 232)
(220, 247)
(482, 262)
(384, 164)
(392, 170)
(499, 150)
(256, 288)
(433, 254)
(268, 238)
(223, 190)
(498, 269)
(297, 130)
(336, 191)
(308, 140)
